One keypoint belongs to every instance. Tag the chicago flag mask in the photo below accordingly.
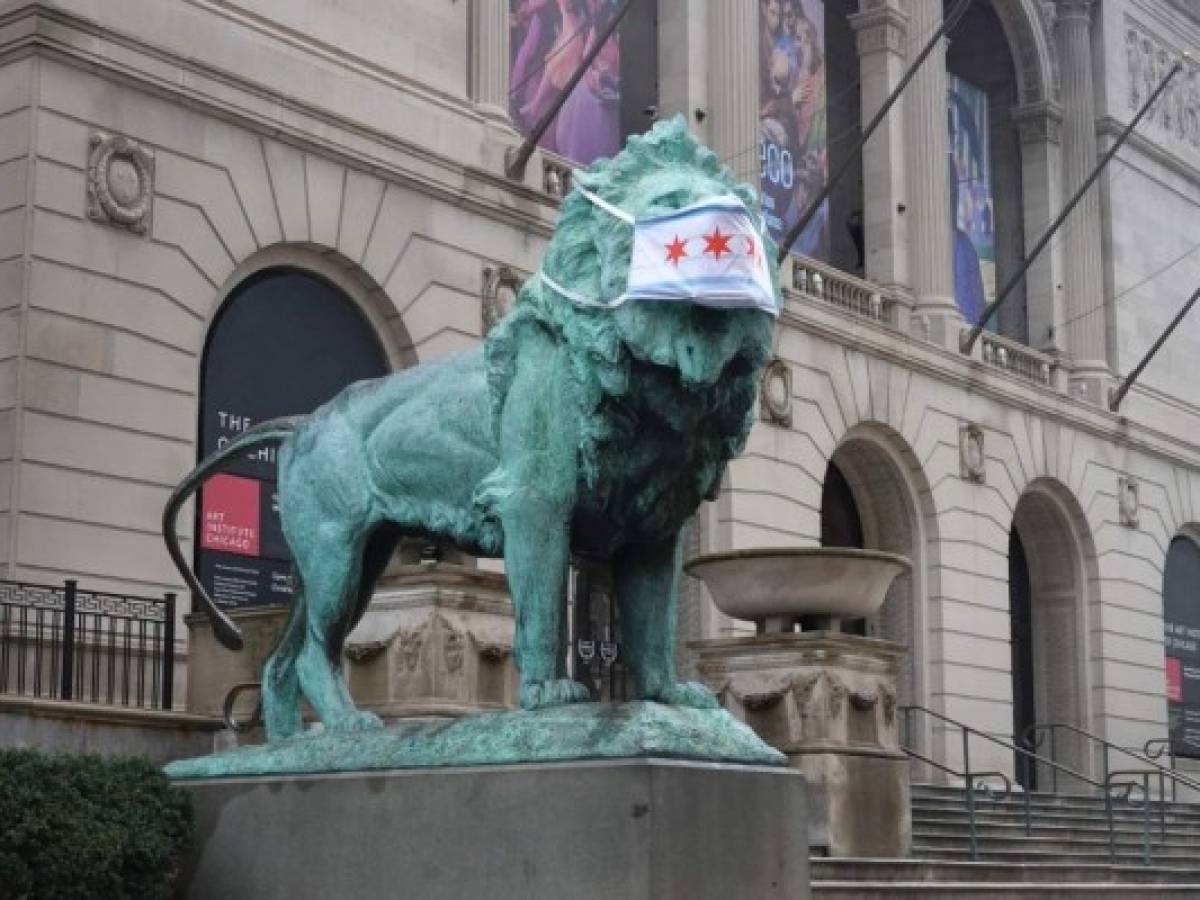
(709, 253)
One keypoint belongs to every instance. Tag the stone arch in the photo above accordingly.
(895, 507)
(1028, 27)
(344, 274)
(1063, 584)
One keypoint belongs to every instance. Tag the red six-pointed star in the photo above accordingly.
(751, 248)
(717, 243)
(676, 251)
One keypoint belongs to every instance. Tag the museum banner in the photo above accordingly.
(971, 205)
(793, 157)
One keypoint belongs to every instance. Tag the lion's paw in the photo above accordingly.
(537, 694)
(355, 720)
(685, 693)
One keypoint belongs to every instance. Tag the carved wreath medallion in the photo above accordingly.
(120, 182)
(972, 462)
(1127, 501)
(500, 288)
(775, 393)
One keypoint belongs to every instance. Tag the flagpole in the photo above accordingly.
(796, 230)
(515, 160)
(967, 341)
(1116, 396)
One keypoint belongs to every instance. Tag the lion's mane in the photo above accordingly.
(590, 254)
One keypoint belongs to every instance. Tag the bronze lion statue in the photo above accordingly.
(589, 428)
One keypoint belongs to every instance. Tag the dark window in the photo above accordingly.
(1181, 624)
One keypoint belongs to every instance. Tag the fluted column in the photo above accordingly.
(733, 84)
(488, 57)
(930, 232)
(1085, 319)
(881, 30)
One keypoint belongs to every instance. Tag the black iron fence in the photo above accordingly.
(61, 642)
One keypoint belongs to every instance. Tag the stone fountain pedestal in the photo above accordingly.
(827, 700)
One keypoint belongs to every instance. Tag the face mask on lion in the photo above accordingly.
(594, 426)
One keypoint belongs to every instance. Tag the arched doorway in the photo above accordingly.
(1181, 627)
(868, 500)
(1049, 549)
(284, 342)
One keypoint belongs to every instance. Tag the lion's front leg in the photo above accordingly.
(533, 491)
(647, 585)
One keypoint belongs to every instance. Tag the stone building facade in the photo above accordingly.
(156, 154)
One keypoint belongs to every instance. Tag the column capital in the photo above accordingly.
(1074, 11)
(1039, 123)
(880, 27)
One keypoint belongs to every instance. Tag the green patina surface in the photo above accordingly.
(557, 733)
(572, 430)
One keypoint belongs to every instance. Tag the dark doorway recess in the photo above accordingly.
(1020, 608)
(283, 343)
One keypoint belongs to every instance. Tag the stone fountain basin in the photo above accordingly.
(770, 583)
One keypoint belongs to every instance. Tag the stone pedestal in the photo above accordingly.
(827, 700)
(633, 829)
(435, 641)
(213, 670)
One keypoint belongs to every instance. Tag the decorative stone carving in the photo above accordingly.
(120, 182)
(1039, 123)
(863, 700)
(452, 646)
(410, 646)
(501, 285)
(556, 177)
(888, 696)
(1147, 59)
(879, 27)
(971, 459)
(1127, 500)
(775, 393)
(363, 653)
(835, 695)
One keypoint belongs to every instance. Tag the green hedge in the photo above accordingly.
(89, 828)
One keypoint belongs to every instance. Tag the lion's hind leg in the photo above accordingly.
(330, 571)
(280, 681)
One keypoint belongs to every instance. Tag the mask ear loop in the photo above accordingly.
(575, 297)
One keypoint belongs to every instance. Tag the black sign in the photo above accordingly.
(284, 343)
(1181, 623)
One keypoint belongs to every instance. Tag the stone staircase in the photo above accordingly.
(1067, 853)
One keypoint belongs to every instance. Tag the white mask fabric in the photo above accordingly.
(709, 253)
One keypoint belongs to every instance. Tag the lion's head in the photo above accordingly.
(715, 354)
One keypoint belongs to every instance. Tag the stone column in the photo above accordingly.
(1083, 277)
(488, 58)
(881, 29)
(931, 236)
(1040, 128)
(733, 85)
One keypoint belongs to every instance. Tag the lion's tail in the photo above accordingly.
(271, 431)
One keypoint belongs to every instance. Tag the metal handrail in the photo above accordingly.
(967, 774)
(1034, 733)
(1130, 786)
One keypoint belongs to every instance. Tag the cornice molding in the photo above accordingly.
(971, 376)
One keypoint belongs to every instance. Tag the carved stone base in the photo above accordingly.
(827, 700)
(213, 670)
(435, 641)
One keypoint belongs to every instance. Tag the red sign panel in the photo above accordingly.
(1174, 679)
(229, 519)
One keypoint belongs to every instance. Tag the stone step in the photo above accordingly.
(990, 853)
(987, 829)
(935, 794)
(926, 871)
(1121, 818)
(1067, 846)
(949, 890)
